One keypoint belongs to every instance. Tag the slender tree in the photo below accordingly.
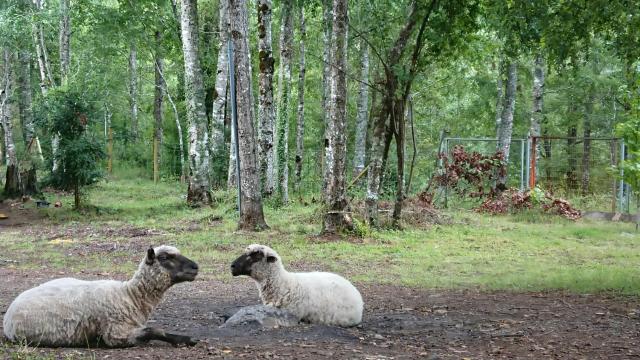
(13, 184)
(336, 217)
(266, 109)
(300, 122)
(251, 213)
(133, 89)
(537, 115)
(25, 102)
(362, 115)
(158, 100)
(327, 28)
(199, 186)
(220, 98)
(506, 120)
(284, 94)
(65, 40)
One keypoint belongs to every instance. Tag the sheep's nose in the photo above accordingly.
(194, 266)
(233, 266)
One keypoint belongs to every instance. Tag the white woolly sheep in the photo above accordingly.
(72, 312)
(315, 297)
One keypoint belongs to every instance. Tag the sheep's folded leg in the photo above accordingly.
(149, 333)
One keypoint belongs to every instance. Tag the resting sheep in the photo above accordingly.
(315, 297)
(72, 312)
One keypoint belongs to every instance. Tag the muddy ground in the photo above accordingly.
(399, 323)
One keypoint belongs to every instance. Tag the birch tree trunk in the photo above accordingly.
(158, 114)
(12, 185)
(25, 103)
(133, 90)
(337, 219)
(327, 28)
(216, 141)
(538, 102)
(199, 185)
(506, 121)
(232, 183)
(266, 110)
(362, 116)
(46, 77)
(284, 93)
(183, 174)
(251, 214)
(65, 40)
(300, 122)
(500, 94)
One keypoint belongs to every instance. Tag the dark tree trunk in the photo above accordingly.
(251, 214)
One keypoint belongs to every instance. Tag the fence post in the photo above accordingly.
(527, 159)
(621, 186)
(522, 164)
(532, 163)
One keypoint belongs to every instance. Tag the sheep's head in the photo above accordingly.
(169, 260)
(258, 261)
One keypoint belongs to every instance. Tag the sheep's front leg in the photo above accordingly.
(149, 333)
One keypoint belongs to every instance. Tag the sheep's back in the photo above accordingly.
(329, 299)
(60, 312)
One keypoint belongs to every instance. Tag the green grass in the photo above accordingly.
(525, 252)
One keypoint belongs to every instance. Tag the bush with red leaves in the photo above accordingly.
(470, 173)
(473, 175)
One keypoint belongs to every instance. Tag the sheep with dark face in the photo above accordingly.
(72, 312)
(315, 297)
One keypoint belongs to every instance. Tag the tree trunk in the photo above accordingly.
(46, 78)
(300, 122)
(538, 102)
(400, 139)
(337, 219)
(266, 110)
(23, 71)
(217, 143)
(65, 40)
(327, 28)
(133, 90)
(232, 183)
(362, 115)
(500, 94)
(183, 174)
(284, 93)
(158, 114)
(251, 214)
(12, 186)
(506, 121)
(199, 186)
(586, 142)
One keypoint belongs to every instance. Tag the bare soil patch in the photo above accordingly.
(19, 214)
(399, 322)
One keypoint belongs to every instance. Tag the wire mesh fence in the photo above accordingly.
(582, 170)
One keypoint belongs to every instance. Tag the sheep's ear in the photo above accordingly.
(151, 256)
(271, 259)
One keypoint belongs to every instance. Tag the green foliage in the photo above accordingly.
(630, 132)
(67, 112)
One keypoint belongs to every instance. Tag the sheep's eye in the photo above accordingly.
(162, 257)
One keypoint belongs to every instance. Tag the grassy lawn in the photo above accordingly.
(524, 252)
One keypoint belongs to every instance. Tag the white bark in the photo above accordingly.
(284, 93)
(499, 95)
(222, 82)
(266, 106)
(158, 114)
(336, 218)
(25, 103)
(300, 122)
(362, 115)
(199, 185)
(506, 121)
(538, 102)
(133, 89)
(13, 185)
(327, 28)
(65, 40)
(251, 214)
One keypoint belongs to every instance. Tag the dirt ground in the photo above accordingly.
(399, 323)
